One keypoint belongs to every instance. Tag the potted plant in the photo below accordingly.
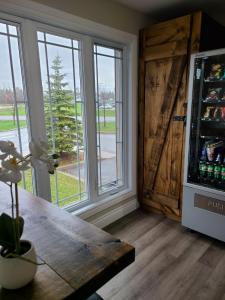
(18, 263)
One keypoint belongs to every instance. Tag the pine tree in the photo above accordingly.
(59, 113)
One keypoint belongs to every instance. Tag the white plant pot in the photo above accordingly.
(16, 272)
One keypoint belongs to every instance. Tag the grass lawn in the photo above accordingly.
(108, 112)
(8, 110)
(67, 186)
(108, 128)
(10, 125)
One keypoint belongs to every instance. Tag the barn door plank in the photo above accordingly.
(162, 82)
(169, 179)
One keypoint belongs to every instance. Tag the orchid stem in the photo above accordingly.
(17, 220)
(25, 157)
(12, 197)
(13, 216)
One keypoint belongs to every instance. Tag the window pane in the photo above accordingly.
(3, 28)
(13, 107)
(58, 40)
(107, 51)
(40, 36)
(64, 117)
(109, 117)
(12, 30)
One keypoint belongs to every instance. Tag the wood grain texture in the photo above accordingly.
(162, 82)
(195, 32)
(169, 179)
(160, 198)
(170, 49)
(79, 257)
(168, 31)
(165, 52)
(171, 262)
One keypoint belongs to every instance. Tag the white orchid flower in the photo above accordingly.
(12, 170)
(7, 176)
(3, 156)
(39, 154)
(12, 164)
(8, 148)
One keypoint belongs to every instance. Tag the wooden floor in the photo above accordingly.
(171, 262)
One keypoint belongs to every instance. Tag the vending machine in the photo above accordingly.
(203, 207)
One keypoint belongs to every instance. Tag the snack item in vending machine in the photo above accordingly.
(204, 153)
(217, 114)
(223, 113)
(213, 94)
(223, 97)
(209, 112)
(215, 72)
(213, 148)
(219, 158)
(223, 76)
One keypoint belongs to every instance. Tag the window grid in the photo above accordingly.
(98, 123)
(76, 114)
(118, 116)
(81, 195)
(14, 27)
(103, 184)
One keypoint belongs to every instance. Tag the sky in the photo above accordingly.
(106, 65)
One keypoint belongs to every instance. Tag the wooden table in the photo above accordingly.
(79, 258)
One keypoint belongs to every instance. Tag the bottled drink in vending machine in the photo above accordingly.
(210, 170)
(202, 169)
(217, 171)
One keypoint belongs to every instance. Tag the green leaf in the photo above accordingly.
(8, 226)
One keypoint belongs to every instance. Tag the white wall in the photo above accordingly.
(105, 12)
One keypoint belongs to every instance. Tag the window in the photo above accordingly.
(13, 106)
(64, 115)
(109, 116)
(71, 90)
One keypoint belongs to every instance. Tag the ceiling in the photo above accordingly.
(163, 9)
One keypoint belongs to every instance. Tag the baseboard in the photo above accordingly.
(114, 214)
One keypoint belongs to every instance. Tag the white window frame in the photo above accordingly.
(125, 119)
(43, 17)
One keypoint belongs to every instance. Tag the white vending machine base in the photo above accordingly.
(204, 212)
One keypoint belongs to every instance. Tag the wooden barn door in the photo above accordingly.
(164, 59)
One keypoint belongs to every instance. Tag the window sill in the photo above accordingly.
(104, 207)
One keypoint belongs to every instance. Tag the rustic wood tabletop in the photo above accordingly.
(78, 257)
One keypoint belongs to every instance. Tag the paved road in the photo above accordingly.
(107, 140)
(12, 135)
(108, 166)
(11, 118)
(108, 170)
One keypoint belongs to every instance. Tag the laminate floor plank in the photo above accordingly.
(214, 286)
(134, 226)
(171, 263)
(156, 244)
